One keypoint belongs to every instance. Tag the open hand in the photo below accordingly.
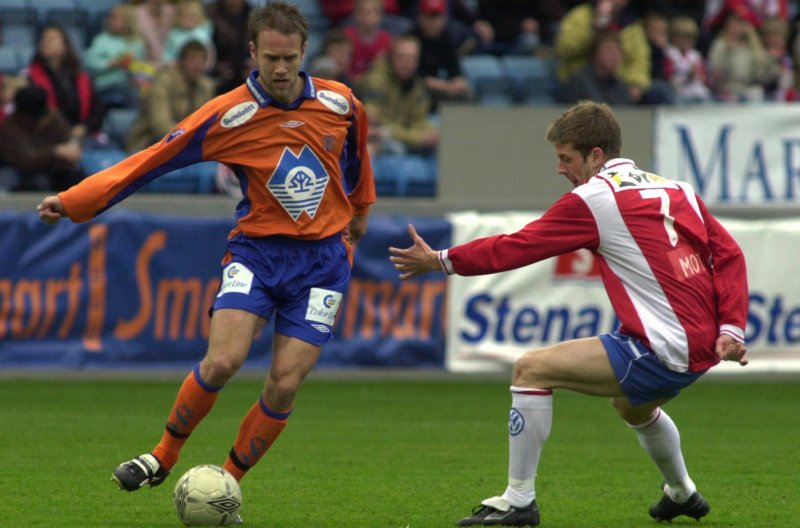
(415, 260)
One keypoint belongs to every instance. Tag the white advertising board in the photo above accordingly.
(732, 154)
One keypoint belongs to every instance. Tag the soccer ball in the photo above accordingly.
(207, 495)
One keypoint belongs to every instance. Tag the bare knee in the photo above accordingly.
(634, 415)
(281, 390)
(219, 369)
(527, 372)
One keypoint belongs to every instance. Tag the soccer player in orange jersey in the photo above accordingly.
(298, 147)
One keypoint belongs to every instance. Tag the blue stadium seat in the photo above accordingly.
(96, 12)
(199, 178)
(19, 36)
(9, 64)
(487, 76)
(25, 54)
(533, 79)
(117, 124)
(13, 4)
(95, 160)
(18, 24)
(43, 7)
(405, 175)
(95, 7)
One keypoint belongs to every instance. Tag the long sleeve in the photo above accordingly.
(729, 275)
(568, 225)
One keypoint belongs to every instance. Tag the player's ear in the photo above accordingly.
(597, 157)
(252, 46)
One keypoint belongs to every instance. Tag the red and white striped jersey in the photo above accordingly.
(675, 277)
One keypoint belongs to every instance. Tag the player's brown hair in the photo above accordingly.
(585, 126)
(280, 16)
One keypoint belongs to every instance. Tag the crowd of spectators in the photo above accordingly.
(157, 60)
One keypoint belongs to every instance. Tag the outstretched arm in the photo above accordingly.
(415, 260)
(51, 210)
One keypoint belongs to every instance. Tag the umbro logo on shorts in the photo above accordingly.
(322, 328)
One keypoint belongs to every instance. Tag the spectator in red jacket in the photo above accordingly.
(56, 67)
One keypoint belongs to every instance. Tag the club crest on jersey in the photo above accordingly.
(299, 182)
(239, 114)
(336, 102)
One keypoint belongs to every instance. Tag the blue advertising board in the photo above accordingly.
(133, 289)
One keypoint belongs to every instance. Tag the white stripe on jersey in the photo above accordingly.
(668, 339)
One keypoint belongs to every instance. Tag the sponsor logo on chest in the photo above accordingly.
(336, 102)
(239, 114)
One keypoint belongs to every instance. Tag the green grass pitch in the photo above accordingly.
(393, 453)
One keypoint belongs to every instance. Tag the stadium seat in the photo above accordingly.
(25, 54)
(17, 25)
(95, 160)
(199, 178)
(405, 175)
(532, 79)
(43, 7)
(9, 63)
(19, 36)
(13, 4)
(486, 75)
(117, 124)
(96, 12)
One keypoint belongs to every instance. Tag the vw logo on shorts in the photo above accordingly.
(516, 423)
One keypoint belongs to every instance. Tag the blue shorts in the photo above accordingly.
(301, 282)
(641, 374)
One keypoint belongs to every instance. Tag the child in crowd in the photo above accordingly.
(191, 23)
(369, 40)
(774, 33)
(110, 56)
(684, 65)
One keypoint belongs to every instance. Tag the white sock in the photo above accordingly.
(529, 424)
(662, 441)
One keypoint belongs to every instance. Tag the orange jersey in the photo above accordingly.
(304, 168)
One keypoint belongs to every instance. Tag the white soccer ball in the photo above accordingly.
(207, 495)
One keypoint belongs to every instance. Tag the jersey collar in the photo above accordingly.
(264, 99)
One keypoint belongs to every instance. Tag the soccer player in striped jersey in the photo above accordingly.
(298, 146)
(675, 278)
